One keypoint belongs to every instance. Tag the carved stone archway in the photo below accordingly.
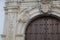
(47, 16)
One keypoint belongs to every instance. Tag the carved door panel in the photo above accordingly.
(45, 28)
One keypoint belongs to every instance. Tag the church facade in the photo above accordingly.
(32, 20)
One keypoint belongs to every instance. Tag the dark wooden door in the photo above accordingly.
(45, 28)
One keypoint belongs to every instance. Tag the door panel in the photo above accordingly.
(45, 28)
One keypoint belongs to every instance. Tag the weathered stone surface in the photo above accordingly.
(19, 12)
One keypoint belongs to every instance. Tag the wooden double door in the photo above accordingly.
(45, 28)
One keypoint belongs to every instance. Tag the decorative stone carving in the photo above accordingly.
(56, 7)
(45, 5)
(45, 1)
(27, 14)
(24, 18)
(20, 16)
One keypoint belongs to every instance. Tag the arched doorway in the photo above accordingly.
(43, 28)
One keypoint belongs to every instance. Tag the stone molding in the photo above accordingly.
(19, 35)
(3, 35)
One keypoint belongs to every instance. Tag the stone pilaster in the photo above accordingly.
(11, 13)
